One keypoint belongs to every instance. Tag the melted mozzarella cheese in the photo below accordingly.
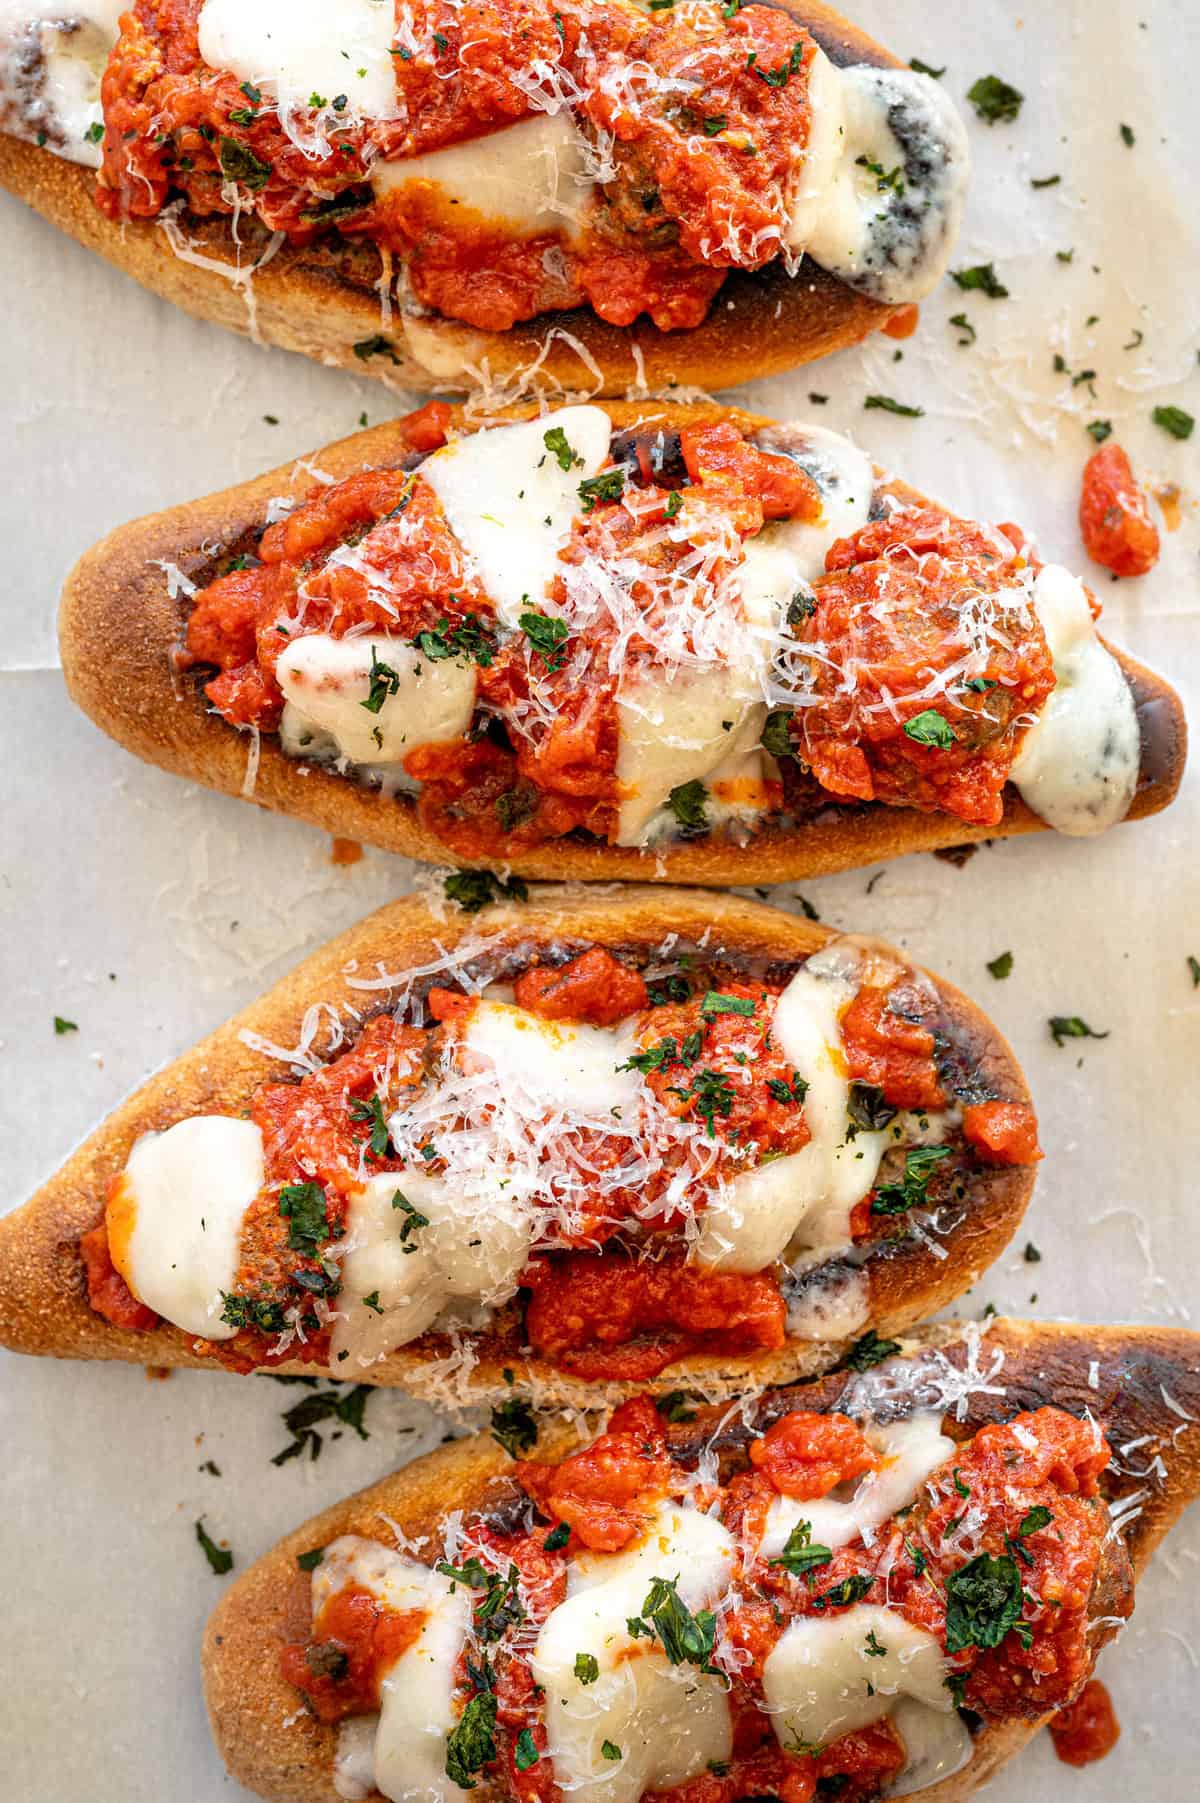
(833, 1172)
(799, 1205)
(480, 1216)
(880, 192)
(175, 1222)
(417, 1692)
(561, 1065)
(511, 505)
(327, 682)
(411, 1256)
(822, 1680)
(668, 1722)
(1078, 765)
(678, 726)
(51, 62)
(530, 177)
(909, 1451)
(846, 479)
(937, 1744)
(294, 50)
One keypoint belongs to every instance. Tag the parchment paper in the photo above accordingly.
(147, 911)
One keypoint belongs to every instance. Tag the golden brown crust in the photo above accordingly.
(324, 302)
(118, 627)
(43, 1306)
(248, 1699)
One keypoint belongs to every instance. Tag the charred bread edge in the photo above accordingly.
(118, 627)
(760, 325)
(43, 1304)
(1044, 1364)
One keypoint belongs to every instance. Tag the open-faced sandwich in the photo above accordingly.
(685, 643)
(877, 1584)
(582, 1143)
(444, 193)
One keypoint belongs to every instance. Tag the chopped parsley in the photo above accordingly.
(1045, 181)
(685, 1638)
(712, 1094)
(239, 164)
(982, 277)
(547, 636)
(609, 1751)
(465, 638)
(412, 1223)
(913, 1189)
(688, 804)
(884, 178)
(800, 1555)
(1070, 1026)
(964, 325)
(304, 1207)
(252, 1311)
(675, 1406)
(609, 485)
(776, 733)
(790, 1094)
(884, 403)
(850, 1590)
(995, 100)
(472, 890)
(372, 1302)
(319, 1408)
(501, 1607)
(983, 1601)
(384, 682)
(525, 1752)
(587, 1668)
(1038, 1517)
(930, 728)
(801, 607)
(514, 1427)
(872, 1649)
(555, 441)
(220, 1558)
(870, 1351)
(674, 503)
(1032, 1255)
(1193, 965)
(94, 132)
(915, 63)
(668, 1050)
(1174, 420)
(1127, 137)
(1100, 429)
(62, 1025)
(716, 1003)
(376, 346)
(1000, 967)
(783, 72)
(472, 1744)
(557, 1538)
(373, 1111)
(310, 1560)
(715, 124)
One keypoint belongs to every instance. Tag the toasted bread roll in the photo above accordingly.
(642, 1137)
(337, 297)
(728, 734)
(920, 1410)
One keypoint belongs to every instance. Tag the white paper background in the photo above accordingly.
(147, 911)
